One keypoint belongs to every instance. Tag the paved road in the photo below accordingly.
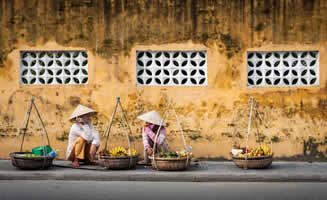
(198, 172)
(92, 190)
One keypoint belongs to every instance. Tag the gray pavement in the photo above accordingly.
(120, 190)
(203, 171)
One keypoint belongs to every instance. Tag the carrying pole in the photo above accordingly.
(157, 134)
(158, 131)
(126, 132)
(28, 119)
(237, 122)
(249, 126)
(265, 125)
(180, 127)
(38, 114)
(125, 118)
(108, 129)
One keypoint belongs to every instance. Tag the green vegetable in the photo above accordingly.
(168, 155)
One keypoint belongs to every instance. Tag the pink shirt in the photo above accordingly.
(149, 134)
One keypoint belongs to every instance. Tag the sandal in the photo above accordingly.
(75, 165)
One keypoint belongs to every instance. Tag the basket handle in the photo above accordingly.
(107, 131)
(249, 126)
(45, 130)
(28, 119)
(180, 127)
(264, 124)
(237, 121)
(123, 116)
(254, 106)
(157, 134)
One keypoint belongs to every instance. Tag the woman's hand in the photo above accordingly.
(149, 151)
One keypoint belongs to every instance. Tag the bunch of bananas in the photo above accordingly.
(258, 151)
(131, 152)
(242, 154)
(182, 153)
(121, 152)
(261, 151)
(118, 152)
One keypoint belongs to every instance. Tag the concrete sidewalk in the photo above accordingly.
(203, 171)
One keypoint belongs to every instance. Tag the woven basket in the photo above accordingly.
(126, 162)
(170, 164)
(18, 160)
(255, 162)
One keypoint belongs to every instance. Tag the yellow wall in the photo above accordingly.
(112, 32)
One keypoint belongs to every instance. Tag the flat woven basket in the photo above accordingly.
(18, 159)
(170, 164)
(127, 162)
(255, 162)
(43, 162)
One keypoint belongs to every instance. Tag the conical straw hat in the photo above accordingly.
(81, 110)
(153, 117)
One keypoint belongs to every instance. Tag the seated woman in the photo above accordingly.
(83, 138)
(152, 122)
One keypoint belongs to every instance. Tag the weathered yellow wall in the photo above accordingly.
(112, 31)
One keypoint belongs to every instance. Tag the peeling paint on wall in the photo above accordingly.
(112, 31)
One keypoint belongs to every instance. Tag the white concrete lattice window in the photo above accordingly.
(53, 67)
(171, 68)
(282, 68)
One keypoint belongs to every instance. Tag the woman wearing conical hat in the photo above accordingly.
(83, 139)
(152, 123)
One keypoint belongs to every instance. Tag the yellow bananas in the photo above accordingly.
(121, 152)
(266, 150)
(258, 151)
(182, 153)
(118, 152)
(131, 152)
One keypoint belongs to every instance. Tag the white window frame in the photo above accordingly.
(282, 68)
(171, 68)
(53, 67)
